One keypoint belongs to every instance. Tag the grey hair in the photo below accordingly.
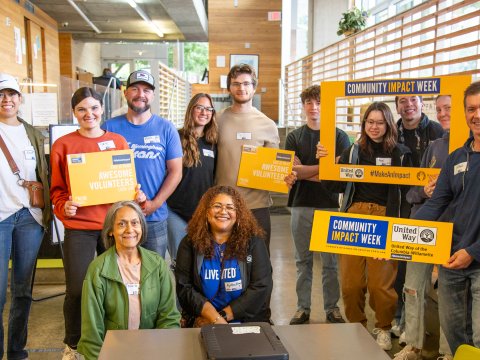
(108, 240)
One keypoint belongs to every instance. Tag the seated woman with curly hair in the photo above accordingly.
(223, 270)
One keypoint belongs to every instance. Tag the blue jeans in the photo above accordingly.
(156, 237)
(176, 228)
(301, 223)
(417, 279)
(20, 237)
(459, 306)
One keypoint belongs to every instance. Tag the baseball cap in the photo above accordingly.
(141, 76)
(9, 82)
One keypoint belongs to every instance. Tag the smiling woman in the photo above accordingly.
(223, 270)
(126, 279)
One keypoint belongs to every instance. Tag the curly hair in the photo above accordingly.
(191, 153)
(245, 227)
(310, 93)
(240, 69)
(390, 138)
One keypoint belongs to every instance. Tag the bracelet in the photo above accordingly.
(216, 319)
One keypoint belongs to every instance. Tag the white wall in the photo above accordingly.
(326, 15)
(86, 56)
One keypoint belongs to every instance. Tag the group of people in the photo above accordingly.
(217, 234)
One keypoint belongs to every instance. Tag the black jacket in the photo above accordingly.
(256, 273)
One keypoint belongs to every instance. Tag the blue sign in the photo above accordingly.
(357, 232)
(392, 87)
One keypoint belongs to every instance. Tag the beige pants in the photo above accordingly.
(359, 273)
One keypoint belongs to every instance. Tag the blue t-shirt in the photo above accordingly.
(153, 143)
(221, 283)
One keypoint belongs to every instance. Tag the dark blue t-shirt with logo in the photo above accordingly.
(221, 278)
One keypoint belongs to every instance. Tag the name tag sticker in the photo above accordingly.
(29, 153)
(460, 168)
(105, 145)
(244, 136)
(151, 139)
(383, 161)
(133, 289)
(233, 285)
(209, 153)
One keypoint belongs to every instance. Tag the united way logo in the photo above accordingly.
(427, 236)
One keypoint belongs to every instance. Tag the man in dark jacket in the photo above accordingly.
(457, 189)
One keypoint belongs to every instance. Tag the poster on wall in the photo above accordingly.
(17, 38)
(44, 109)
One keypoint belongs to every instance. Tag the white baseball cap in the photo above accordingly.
(9, 82)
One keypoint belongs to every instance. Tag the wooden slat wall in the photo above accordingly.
(66, 59)
(439, 37)
(229, 29)
(16, 13)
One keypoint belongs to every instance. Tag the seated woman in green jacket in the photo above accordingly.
(127, 287)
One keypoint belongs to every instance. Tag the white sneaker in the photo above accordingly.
(384, 339)
(407, 353)
(396, 330)
(402, 340)
(70, 354)
(445, 357)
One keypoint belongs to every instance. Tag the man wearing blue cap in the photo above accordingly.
(158, 154)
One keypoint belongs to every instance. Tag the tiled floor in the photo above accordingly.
(46, 318)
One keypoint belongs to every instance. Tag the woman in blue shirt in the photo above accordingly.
(223, 270)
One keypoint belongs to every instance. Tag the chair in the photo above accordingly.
(467, 352)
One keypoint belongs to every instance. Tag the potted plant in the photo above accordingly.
(352, 21)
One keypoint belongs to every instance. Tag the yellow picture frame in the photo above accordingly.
(380, 90)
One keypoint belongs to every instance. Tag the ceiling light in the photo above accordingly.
(82, 14)
(145, 17)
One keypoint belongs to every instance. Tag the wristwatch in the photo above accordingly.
(223, 314)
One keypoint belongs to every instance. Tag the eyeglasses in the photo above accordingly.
(201, 108)
(11, 94)
(217, 207)
(378, 123)
(238, 84)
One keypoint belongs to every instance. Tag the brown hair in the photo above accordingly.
(398, 98)
(191, 154)
(237, 70)
(245, 227)
(310, 93)
(83, 93)
(389, 139)
(472, 89)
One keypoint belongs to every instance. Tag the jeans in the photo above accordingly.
(78, 252)
(301, 223)
(176, 228)
(20, 237)
(262, 215)
(417, 280)
(459, 306)
(156, 237)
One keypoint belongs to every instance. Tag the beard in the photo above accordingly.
(138, 109)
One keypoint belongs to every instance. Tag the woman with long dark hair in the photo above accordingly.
(199, 143)
(377, 145)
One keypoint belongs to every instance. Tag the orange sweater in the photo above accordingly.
(88, 217)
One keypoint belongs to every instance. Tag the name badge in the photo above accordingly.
(29, 153)
(151, 139)
(233, 285)
(460, 168)
(383, 161)
(105, 145)
(209, 153)
(133, 289)
(244, 136)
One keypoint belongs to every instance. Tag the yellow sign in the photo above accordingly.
(341, 106)
(382, 237)
(102, 177)
(265, 168)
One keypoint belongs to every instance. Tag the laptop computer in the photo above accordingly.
(246, 341)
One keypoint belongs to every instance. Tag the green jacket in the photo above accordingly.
(36, 138)
(105, 299)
